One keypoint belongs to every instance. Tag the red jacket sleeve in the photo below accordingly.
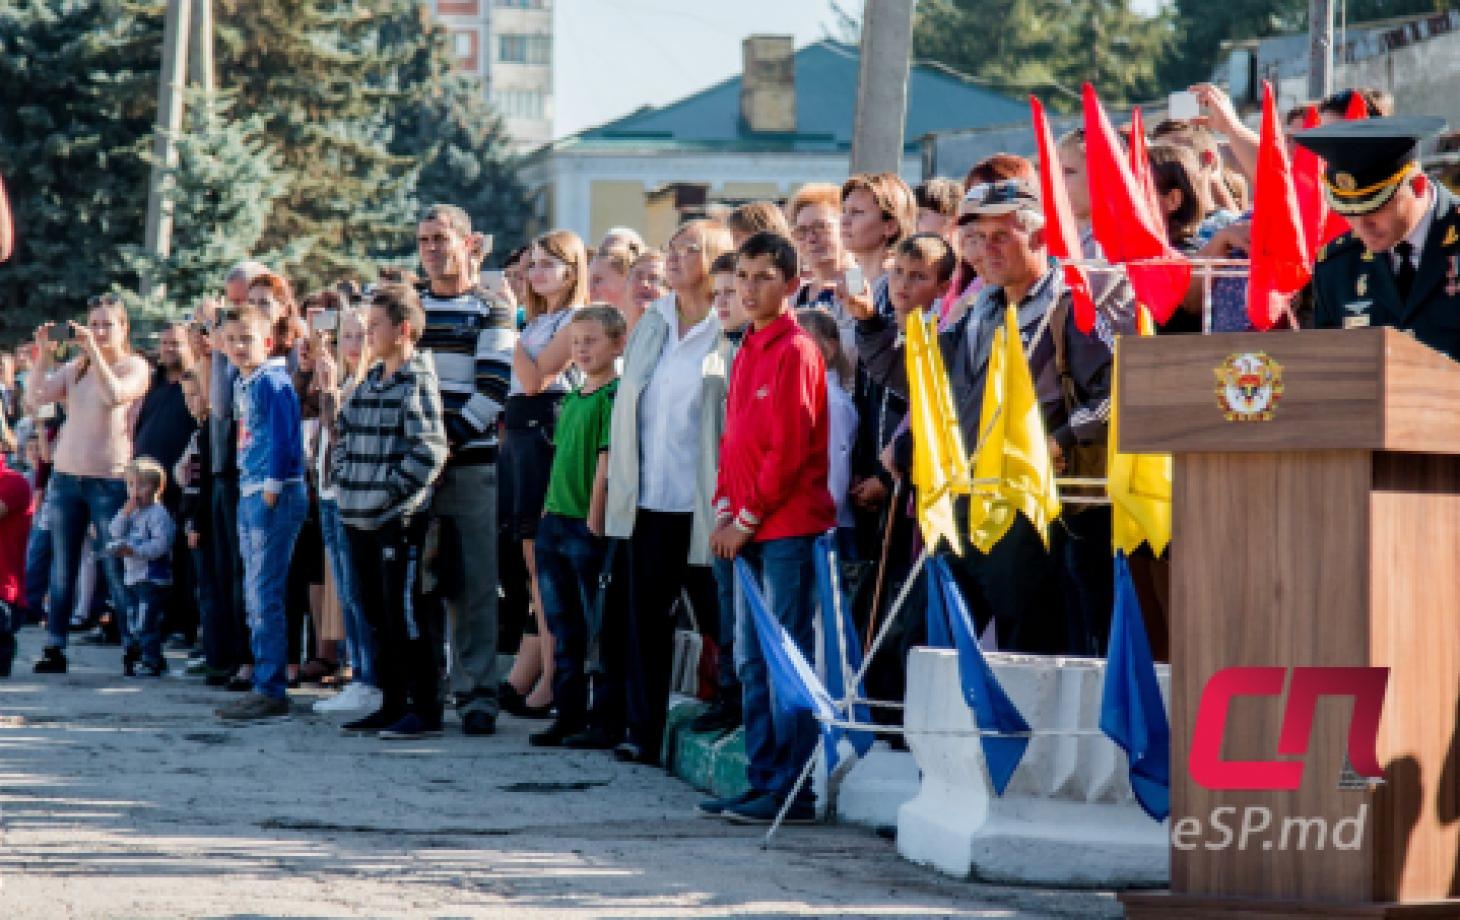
(798, 396)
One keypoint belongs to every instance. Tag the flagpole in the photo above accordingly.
(786, 805)
(882, 562)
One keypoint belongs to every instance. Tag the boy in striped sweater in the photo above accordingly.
(391, 449)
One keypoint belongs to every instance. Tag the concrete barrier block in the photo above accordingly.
(1067, 817)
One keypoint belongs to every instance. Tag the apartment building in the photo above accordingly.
(508, 44)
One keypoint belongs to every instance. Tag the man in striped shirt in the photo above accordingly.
(470, 338)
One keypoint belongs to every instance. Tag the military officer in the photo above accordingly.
(1399, 264)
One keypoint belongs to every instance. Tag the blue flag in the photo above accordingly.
(991, 706)
(938, 634)
(796, 685)
(842, 653)
(1131, 710)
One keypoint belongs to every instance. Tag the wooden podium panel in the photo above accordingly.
(1357, 389)
(1326, 536)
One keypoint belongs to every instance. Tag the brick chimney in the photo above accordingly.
(768, 84)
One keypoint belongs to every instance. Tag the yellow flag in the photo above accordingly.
(1012, 472)
(1139, 485)
(940, 462)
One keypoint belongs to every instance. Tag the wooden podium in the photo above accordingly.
(1318, 526)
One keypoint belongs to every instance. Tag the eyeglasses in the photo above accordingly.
(819, 228)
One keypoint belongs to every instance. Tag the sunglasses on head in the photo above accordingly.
(102, 300)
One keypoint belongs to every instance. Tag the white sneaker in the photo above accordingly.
(354, 698)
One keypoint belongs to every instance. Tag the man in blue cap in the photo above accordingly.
(1399, 264)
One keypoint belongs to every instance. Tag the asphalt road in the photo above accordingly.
(127, 798)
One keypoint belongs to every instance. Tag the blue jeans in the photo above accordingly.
(146, 603)
(77, 503)
(37, 572)
(359, 637)
(569, 560)
(777, 744)
(724, 571)
(266, 536)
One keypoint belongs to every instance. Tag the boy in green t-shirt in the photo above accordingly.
(570, 542)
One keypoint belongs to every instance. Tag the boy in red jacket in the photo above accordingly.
(772, 502)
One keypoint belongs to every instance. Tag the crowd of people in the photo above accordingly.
(390, 489)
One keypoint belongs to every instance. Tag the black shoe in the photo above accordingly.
(594, 739)
(763, 810)
(53, 661)
(722, 716)
(130, 656)
(478, 722)
(373, 724)
(629, 752)
(218, 678)
(411, 727)
(507, 697)
(150, 669)
(238, 684)
(553, 735)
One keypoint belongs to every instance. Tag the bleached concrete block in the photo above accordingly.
(877, 786)
(1068, 817)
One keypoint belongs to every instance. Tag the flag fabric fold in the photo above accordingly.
(1279, 255)
(1132, 711)
(992, 709)
(1060, 232)
(1013, 465)
(796, 686)
(1140, 163)
(842, 655)
(940, 461)
(1308, 184)
(1120, 215)
(1139, 485)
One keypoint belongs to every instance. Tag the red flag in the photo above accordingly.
(1280, 259)
(1334, 224)
(1122, 220)
(1140, 162)
(1358, 107)
(1308, 183)
(1060, 233)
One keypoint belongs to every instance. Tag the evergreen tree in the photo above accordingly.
(78, 91)
(222, 191)
(468, 162)
(326, 76)
(1048, 47)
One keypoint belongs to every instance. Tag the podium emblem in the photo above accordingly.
(1249, 386)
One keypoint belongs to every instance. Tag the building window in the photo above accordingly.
(536, 50)
(520, 103)
(458, 7)
(464, 47)
(523, 4)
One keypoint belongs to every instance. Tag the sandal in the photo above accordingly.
(315, 670)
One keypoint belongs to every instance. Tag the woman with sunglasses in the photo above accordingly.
(97, 389)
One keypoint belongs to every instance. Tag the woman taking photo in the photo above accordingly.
(654, 493)
(557, 285)
(86, 489)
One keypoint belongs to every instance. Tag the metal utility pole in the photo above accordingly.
(200, 57)
(877, 137)
(175, 30)
(1320, 48)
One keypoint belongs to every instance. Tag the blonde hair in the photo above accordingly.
(151, 473)
(354, 374)
(716, 240)
(566, 247)
(751, 218)
(621, 258)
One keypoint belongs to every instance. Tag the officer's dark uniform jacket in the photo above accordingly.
(1354, 288)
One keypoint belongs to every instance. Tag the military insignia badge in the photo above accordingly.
(1249, 386)
(1451, 236)
(1452, 274)
(1345, 181)
(1355, 322)
(1362, 287)
(1367, 256)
